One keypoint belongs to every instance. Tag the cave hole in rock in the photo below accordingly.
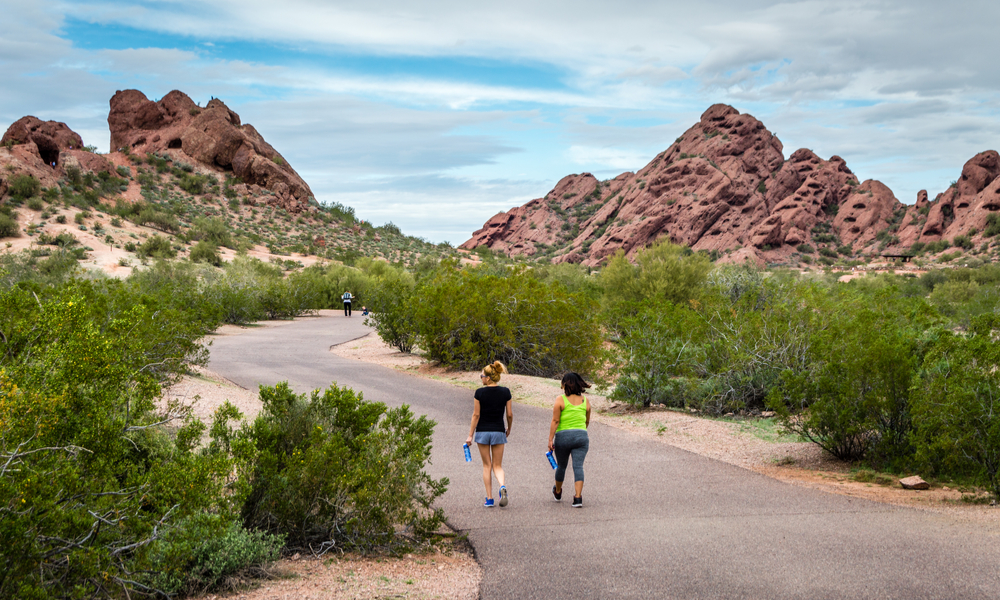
(49, 151)
(174, 143)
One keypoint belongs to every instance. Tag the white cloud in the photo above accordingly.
(603, 159)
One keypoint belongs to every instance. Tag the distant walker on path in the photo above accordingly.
(568, 434)
(490, 404)
(347, 297)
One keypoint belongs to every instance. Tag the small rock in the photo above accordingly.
(946, 488)
(692, 410)
(728, 414)
(296, 556)
(767, 414)
(914, 483)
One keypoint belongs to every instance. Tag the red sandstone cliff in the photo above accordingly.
(725, 186)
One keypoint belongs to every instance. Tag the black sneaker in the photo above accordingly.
(557, 496)
(503, 496)
(577, 501)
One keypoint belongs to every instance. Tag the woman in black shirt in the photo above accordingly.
(492, 401)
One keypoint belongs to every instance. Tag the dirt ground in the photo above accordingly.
(756, 445)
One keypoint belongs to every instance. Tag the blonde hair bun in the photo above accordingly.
(493, 371)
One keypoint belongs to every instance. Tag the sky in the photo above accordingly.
(436, 115)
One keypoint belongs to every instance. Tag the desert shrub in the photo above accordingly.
(962, 241)
(663, 271)
(830, 252)
(35, 203)
(214, 230)
(206, 553)
(24, 186)
(468, 318)
(195, 184)
(9, 226)
(805, 248)
(938, 246)
(89, 479)
(41, 270)
(955, 404)
(206, 252)
(250, 290)
(158, 219)
(391, 304)
(853, 399)
(721, 353)
(157, 246)
(575, 278)
(335, 471)
(992, 225)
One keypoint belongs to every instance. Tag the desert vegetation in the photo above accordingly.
(102, 494)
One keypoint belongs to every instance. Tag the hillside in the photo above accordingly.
(724, 187)
(186, 173)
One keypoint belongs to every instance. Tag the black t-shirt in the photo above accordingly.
(492, 406)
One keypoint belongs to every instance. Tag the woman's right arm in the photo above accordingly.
(556, 415)
(475, 421)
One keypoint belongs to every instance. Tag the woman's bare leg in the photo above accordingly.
(484, 453)
(497, 451)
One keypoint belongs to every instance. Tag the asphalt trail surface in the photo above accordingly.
(657, 522)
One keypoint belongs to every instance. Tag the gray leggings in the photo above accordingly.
(571, 442)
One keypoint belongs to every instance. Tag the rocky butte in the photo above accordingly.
(725, 187)
(212, 138)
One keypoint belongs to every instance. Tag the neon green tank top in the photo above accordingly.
(573, 417)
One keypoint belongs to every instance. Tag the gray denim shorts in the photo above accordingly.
(491, 438)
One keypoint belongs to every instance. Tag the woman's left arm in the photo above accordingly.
(475, 421)
(588, 414)
(510, 415)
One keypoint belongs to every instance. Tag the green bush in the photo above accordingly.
(391, 304)
(205, 553)
(157, 219)
(853, 399)
(805, 249)
(992, 225)
(157, 247)
(206, 252)
(334, 471)
(469, 318)
(722, 353)
(956, 402)
(9, 226)
(89, 477)
(962, 241)
(35, 203)
(24, 186)
(213, 230)
(664, 271)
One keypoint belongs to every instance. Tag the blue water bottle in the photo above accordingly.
(552, 459)
(468, 455)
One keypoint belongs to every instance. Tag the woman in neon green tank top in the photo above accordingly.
(568, 434)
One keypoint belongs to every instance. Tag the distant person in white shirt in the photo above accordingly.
(347, 297)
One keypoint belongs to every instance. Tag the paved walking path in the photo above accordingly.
(657, 522)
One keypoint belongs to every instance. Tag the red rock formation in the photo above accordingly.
(722, 186)
(31, 146)
(962, 209)
(212, 136)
